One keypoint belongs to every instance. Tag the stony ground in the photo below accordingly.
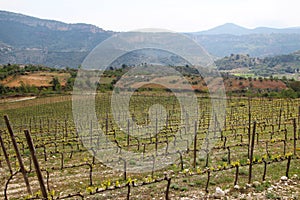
(284, 189)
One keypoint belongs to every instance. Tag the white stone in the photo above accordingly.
(256, 183)
(273, 186)
(219, 192)
(237, 187)
(295, 176)
(249, 198)
(284, 178)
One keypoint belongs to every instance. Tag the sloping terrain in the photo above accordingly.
(38, 79)
(273, 65)
(29, 40)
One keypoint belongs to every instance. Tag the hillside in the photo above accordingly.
(37, 79)
(25, 80)
(273, 65)
(260, 42)
(257, 45)
(29, 40)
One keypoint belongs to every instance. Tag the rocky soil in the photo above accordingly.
(284, 189)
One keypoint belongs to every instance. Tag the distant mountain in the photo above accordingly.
(25, 39)
(233, 29)
(257, 45)
(30, 40)
(259, 42)
(228, 28)
(49, 24)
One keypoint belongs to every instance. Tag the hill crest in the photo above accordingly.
(233, 29)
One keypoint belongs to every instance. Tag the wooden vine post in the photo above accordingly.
(249, 125)
(207, 182)
(128, 191)
(236, 174)
(265, 170)
(295, 135)
(195, 144)
(5, 154)
(36, 163)
(128, 133)
(251, 152)
(168, 188)
(22, 168)
(288, 166)
(279, 122)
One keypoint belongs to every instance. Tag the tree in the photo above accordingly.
(284, 79)
(295, 85)
(288, 93)
(70, 83)
(56, 86)
(2, 89)
(289, 69)
(24, 88)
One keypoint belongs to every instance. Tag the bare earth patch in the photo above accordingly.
(39, 79)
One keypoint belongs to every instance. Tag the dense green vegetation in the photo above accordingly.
(111, 76)
(268, 66)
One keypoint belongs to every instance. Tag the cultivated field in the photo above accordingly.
(258, 142)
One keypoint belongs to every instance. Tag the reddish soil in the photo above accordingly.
(231, 84)
(38, 79)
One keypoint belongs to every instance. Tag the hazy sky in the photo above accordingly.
(183, 16)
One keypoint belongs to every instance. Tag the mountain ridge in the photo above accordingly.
(30, 40)
(51, 24)
(234, 29)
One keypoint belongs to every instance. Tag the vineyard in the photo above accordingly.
(43, 155)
